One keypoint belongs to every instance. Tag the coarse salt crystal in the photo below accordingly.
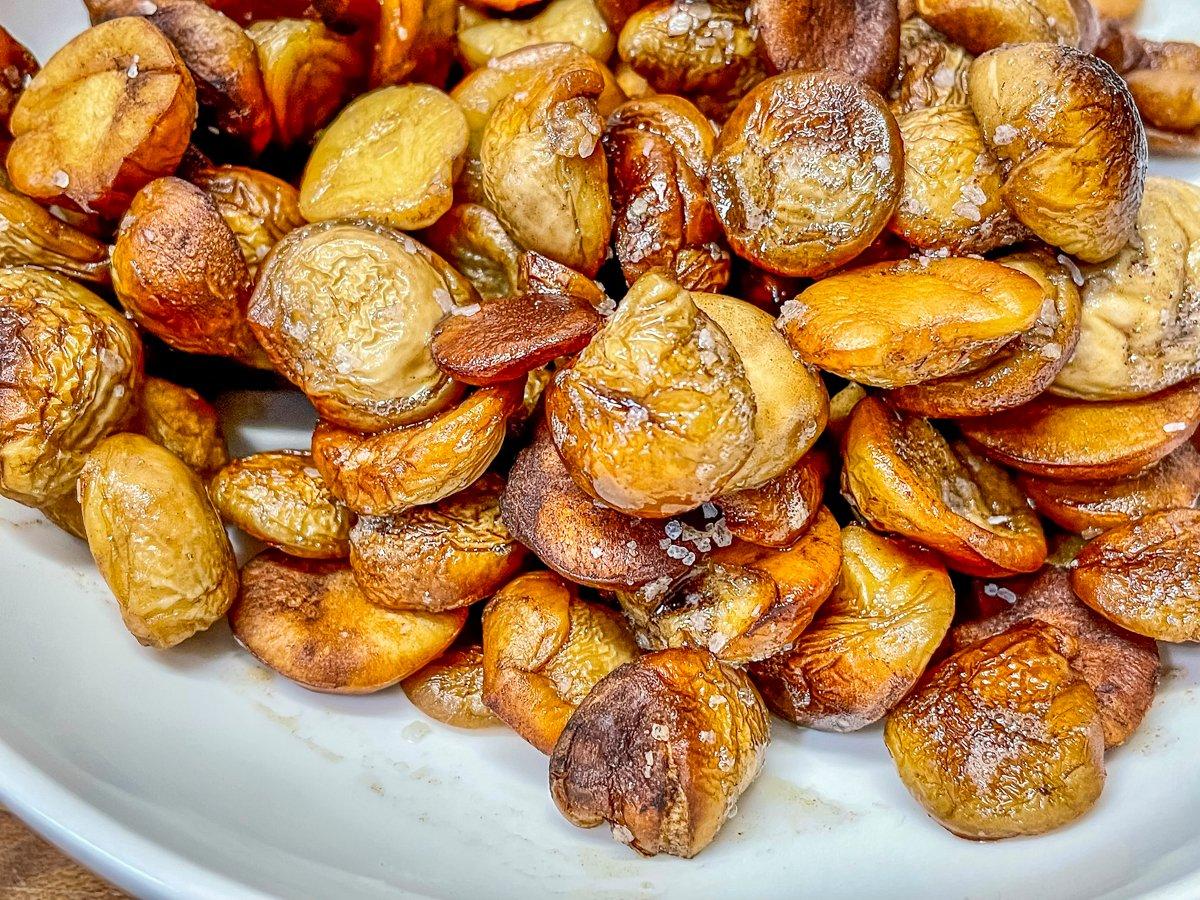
(659, 731)
(1004, 134)
(708, 737)
(60, 179)
(1173, 427)
(132, 71)
(597, 552)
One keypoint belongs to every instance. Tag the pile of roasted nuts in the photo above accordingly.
(571, 286)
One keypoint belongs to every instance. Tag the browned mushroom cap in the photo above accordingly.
(31, 236)
(16, 65)
(870, 641)
(309, 621)
(258, 208)
(904, 477)
(933, 70)
(1002, 738)
(110, 112)
(776, 513)
(661, 750)
(1075, 173)
(980, 25)
(450, 689)
(437, 557)
(1145, 576)
(470, 237)
(1075, 440)
(183, 422)
(544, 649)
(1122, 668)
(807, 172)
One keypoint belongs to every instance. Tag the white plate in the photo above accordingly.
(196, 773)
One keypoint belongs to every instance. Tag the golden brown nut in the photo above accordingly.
(70, 373)
(980, 25)
(841, 405)
(905, 478)
(1075, 174)
(576, 21)
(309, 621)
(180, 420)
(657, 415)
(1074, 440)
(258, 208)
(398, 26)
(1145, 576)
(544, 649)
(470, 237)
(16, 65)
(807, 172)
(110, 112)
(156, 539)
(537, 274)
(1002, 738)
(870, 641)
(386, 473)
(892, 324)
(30, 235)
(67, 513)
(249, 11)
(1167, 89)
(776, 513)
(661, 750)
(450, 689)
(437, 557)
(1122, 668)
(1117, 9)
(933, 70)
(631, 83)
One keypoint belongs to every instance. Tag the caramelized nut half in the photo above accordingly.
(180, 420)
(258, 208)
(470, 237)
(576, 21)
(31, 236)
(450, 689)
(776, 513)
(980, 25)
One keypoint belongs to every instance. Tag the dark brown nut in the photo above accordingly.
(1145, 576)
(544, 649)
(433, 49)
(764, 289)
(258, 208)
(537, 274)
(705, 51)
(1075, 174)
(17, 65)
(450, 689)
(30, 235)
(870, 641)
(933, 70)
(438, 557)
(657, 414)
(345, 310)
(110, 112)
(807, 172)
(660, 751)
(1075, 440)
(1025, 367)
(1141, 322)
(309, 621)
(981, 25)
(386, 473)
(858, 37)
(1003, 738)
(499, 340)
(907, 322)
(249, 11)
(658, 153)
(70, 373)
(776, 513)
(1167, 90)
(905, 478)
(742, 603)
(1122, 668)
(179, 272)
(576, 21)
(156, 539)
(180, 420)
(471, 238)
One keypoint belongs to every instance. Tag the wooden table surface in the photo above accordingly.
(30, 869)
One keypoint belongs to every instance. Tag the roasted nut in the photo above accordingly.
(29, 235)
(1145, 576)
(399, 24)
(980, 25)
(1074, 440)
(634, 85)
(248, 11)
(437, 557)
(471, 239)
(933, 70)
(905, 478)
(870, 641)
(157, 540)
(1122, 668)
(807, 172)
(67, 514)
(1167, 89)
(841, 405)
(1075, 174)
(657, 415)
(450, 689)
(907, 322)
(110, 112)
(309, 621)
(386, 473)
(16, 65)
(1002, 738)
(661, 750)
(258, 208)
(345, 310)
(537, 274)
(544, 649)
(180, 420)
(1117, 9)
(575, 21)
(70, 373)
(776, 513)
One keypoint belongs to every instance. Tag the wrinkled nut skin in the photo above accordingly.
(901, 323)
(776, 513)
(576, 21)
(981, 25)
(903, 477)
(1121, 667)
(1075, 173)
(180, 420)
(537, 274)
(156, 539)
(470, 237)
(31, 236)
(450, 689)
(70, 373)
(657, 414)
(933, 70)
(344, 309)
(1145, 576)
(661, 750)
(437, 557)
(871, 640)
(308, 620)
(258, 208)
(544, 649)
(1001, 739)
(94, 126)
(16, 63)
(807, 172)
